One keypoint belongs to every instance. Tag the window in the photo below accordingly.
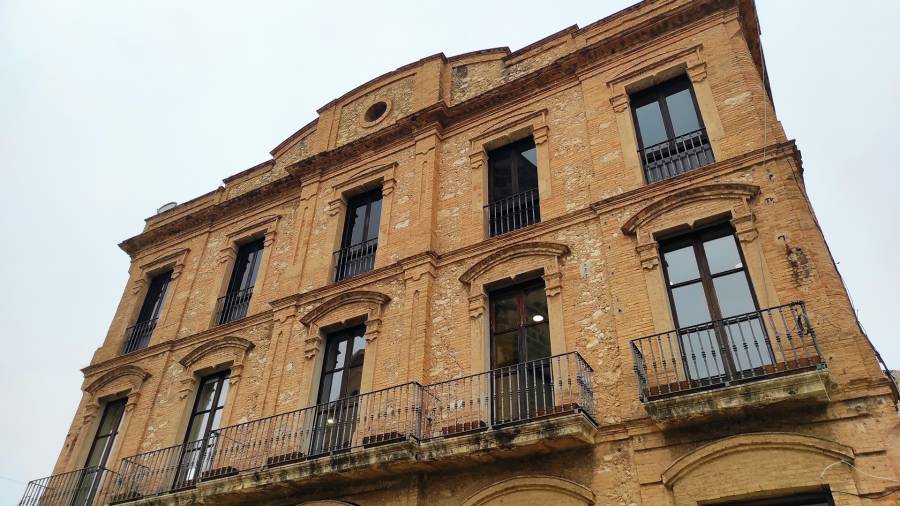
(513, 200)
(714, 306)
(138, 335)
(233, 306)
(520, 352)
(339, 386)
(360, 237)
(200, 439)
(92, 474)
(670, 130)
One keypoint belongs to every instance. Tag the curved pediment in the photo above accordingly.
(563, 492)
(757, 442)
(364, 297)
(718, 191)
(133, 375)
(538, 249)
(238, 345)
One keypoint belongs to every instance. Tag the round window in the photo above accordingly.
(375, 111)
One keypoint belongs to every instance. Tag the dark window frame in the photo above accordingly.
(358, 257)
(658, 93)
(220, 377)
(91, 475)
(333, 339)
(235, 304)
(195, 467)
(138, 335)
(109, 436)
(521, 207)
(366, 199)
(519, 290)
(695, 239)
(790, 500)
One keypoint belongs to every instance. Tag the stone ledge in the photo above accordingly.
(806, 387)
(380, 462)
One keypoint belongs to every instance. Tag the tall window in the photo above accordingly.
(338, 390)
(233, 306)
(200, 439)
(360, 238)
(815, 499)
(708, 287)
(520, 351)
(92, 474)
(138, 335)
(670, 130)
(513, 200)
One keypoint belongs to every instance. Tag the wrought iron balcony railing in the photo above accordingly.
(676, 156)
(518, 393)
(233, 306)
(752, 346)
(525, 392)
(355, 260)
(137, 336)
(514, 212)
(85, 487)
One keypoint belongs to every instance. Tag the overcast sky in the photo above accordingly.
(109, 109)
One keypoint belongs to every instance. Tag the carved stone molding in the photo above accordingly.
(742, 193)
(536, 249)
(649, 255)
(126, 379)
(363, 304)
(552, 284)
(619, 102)
(171, 259)
(697, 72)
(515, 489)
(226, 350)
(477, 303)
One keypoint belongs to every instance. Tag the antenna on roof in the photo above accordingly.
(166, 207)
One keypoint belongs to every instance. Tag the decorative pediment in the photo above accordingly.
(757, 442)
(234, 344)
(537, 249)
(354, 297)
(518, 488)
(363, 304)
(131, 375)
(719, 191)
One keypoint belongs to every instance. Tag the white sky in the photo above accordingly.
(110, 108)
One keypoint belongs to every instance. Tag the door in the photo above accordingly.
(714, 307)
(200, 439)
(94, 468)
(522, 384)
(338, 399)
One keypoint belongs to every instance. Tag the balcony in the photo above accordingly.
(676, 156)
(354, 260)
(537, 406)
(754, 359)
(84, 487)
(514, 212)
(233, 306)
(137, 336)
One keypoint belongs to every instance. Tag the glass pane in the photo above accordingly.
(501, 176)
(682, 112)
(97, 452)
(331, 386)
(111, 416)
(535, 305)
(374, 219)
(354, 380)
(252, 268)
(359, 351)
(681, 265)
(650, 123)
(733, 294)
(337, 351)
(690, 305)
(358, 224)
(722, 254)
(527, 169)
(224, 394)
(506, 348)
(537, 340)
(207, 392)
(198, 427)
(506, 312)
(216, 420)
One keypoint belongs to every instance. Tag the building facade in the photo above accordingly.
(585, 272)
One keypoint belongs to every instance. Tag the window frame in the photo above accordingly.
(519, 290)
(509, 151)
(658, 93)
(366, 199)
(237, 281)
(221, 378)
(332, 339)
